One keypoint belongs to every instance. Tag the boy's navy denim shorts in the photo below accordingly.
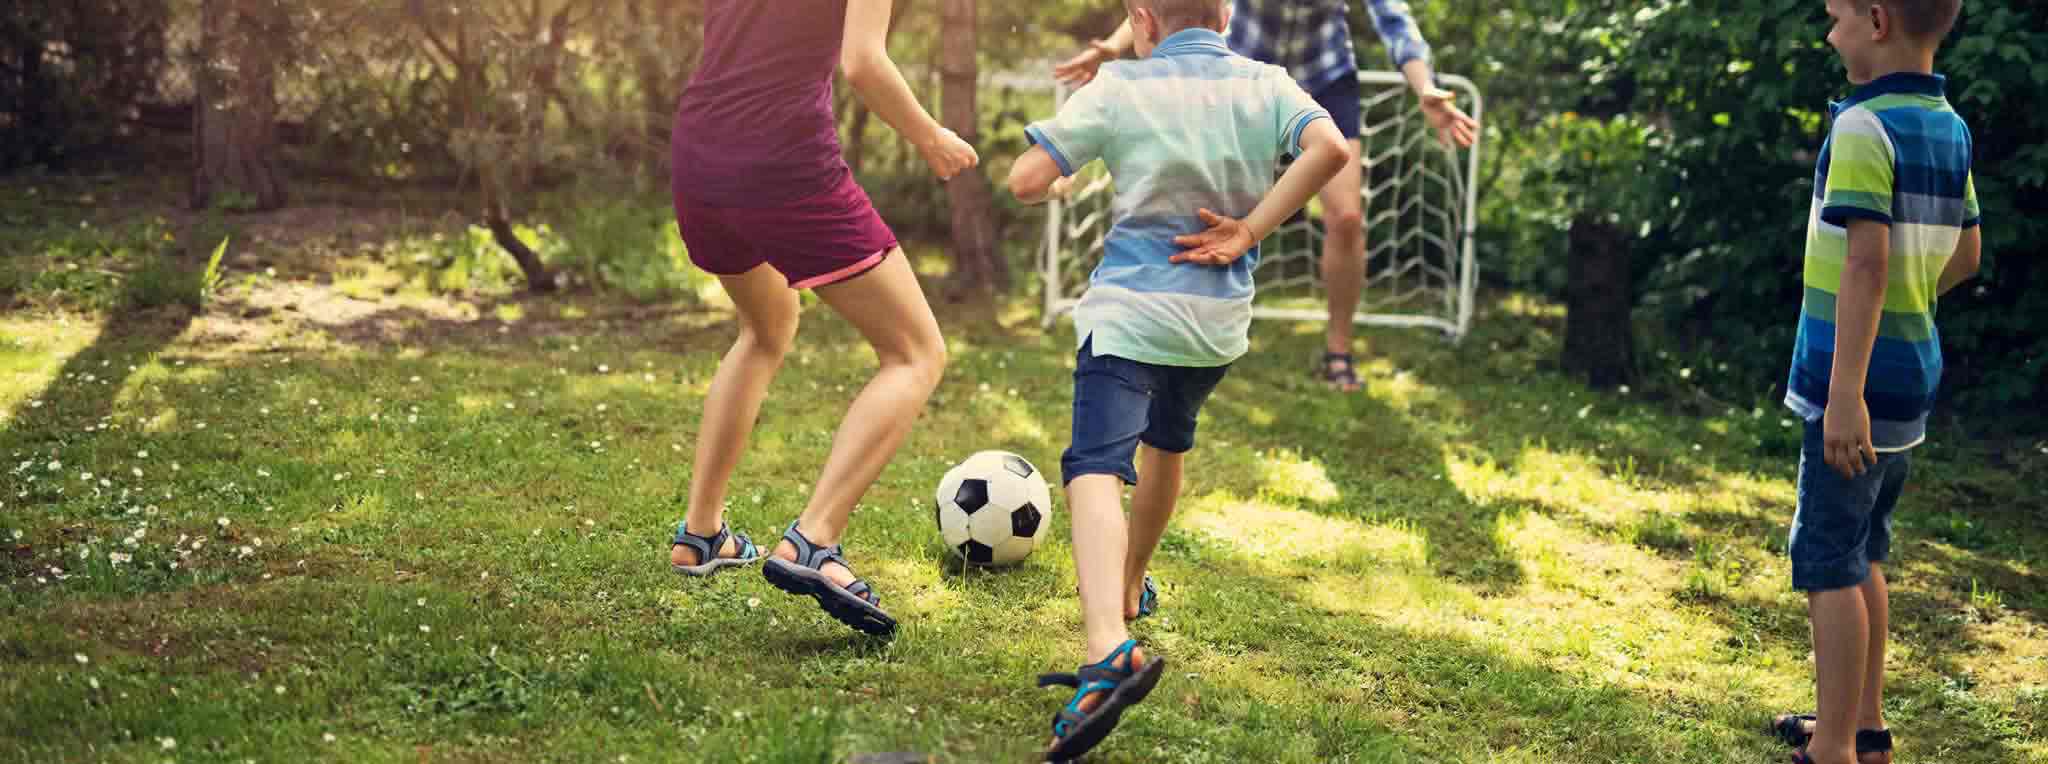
(1842, 524)
(1119, 403)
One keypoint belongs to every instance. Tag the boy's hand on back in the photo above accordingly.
(947, 154)
(1226, 240)
(1845, 429)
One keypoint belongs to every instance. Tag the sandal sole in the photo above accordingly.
(1097, 727)
(712, 567)
(836, 602)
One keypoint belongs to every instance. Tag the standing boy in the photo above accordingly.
(1894, 225)
(1193, 135)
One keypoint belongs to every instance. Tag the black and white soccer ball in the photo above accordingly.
(993, 508)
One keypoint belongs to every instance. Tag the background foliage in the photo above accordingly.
(1691, 123)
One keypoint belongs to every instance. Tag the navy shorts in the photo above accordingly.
(1842, 524)
(1119, 403)
(1343, 100)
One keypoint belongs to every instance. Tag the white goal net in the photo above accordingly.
(1420, 205)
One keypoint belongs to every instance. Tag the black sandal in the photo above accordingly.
(1339, 371)
(856, 605)
(1791, 729)
(1075, 731)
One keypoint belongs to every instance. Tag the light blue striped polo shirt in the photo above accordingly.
(1193, 126)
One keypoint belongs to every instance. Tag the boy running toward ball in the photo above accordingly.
(1193, 135)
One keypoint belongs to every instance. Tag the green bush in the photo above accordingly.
(70, 72)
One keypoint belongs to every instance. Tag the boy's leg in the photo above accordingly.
(1877, 592)
(768, 313)
(1171, 418)
(1096, 503)
(1841, 643)
(888, 307)
(1152, 505)
(1877, 607)
(1840, 530)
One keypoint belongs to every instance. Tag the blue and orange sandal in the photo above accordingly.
(856, 605)
(708, 547)
(1148, 600)
(1791, 729)
(1075, 731)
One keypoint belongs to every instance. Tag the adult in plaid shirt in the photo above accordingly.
(1312, 40)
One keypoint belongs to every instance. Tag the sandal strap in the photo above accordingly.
(1791, 728)
(1346, 373)
(811, 555)
(1873, 741)
(747, 549)
(706, 547)
(1071, 714)
(860, 588)
(1105, 670)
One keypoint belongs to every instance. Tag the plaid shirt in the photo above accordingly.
(1312, 38)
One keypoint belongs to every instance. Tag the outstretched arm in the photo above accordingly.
(1410, 53)
(1077, 71)
(864, 58)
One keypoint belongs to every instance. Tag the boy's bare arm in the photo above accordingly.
(1963, 266)
(1323, 154)
(1858, 308)
(1035, 177)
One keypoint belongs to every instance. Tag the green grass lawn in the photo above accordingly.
(325, 521)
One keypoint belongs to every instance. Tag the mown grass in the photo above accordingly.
(434, 528)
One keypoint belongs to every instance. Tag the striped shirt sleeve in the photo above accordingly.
(1972, 217)
(1860, 170)
(1294, 109)
(1081, 130)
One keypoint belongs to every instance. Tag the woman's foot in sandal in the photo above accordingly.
(803, 568)
(1142, 602)
(1103, 691)
(1340, 372)
(692, 555)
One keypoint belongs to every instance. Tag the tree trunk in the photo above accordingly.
(538, 279)
(234, 135)
(979, 268)
(1599, 337)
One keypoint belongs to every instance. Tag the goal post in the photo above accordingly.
(1420, 205)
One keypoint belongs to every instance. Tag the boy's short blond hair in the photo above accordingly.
(1176, 15)
(1922, 21)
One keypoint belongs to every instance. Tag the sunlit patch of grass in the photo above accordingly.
(1320, 604)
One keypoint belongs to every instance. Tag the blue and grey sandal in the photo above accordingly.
(1076, 732)
(1148, 600)
(856, 605)
(708, 547)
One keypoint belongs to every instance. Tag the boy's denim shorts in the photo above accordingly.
(1119, 403)
(1842, 524)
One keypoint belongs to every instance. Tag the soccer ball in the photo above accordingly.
(993, 509)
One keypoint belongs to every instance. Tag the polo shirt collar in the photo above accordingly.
(1192, 42)
(1906, 83)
